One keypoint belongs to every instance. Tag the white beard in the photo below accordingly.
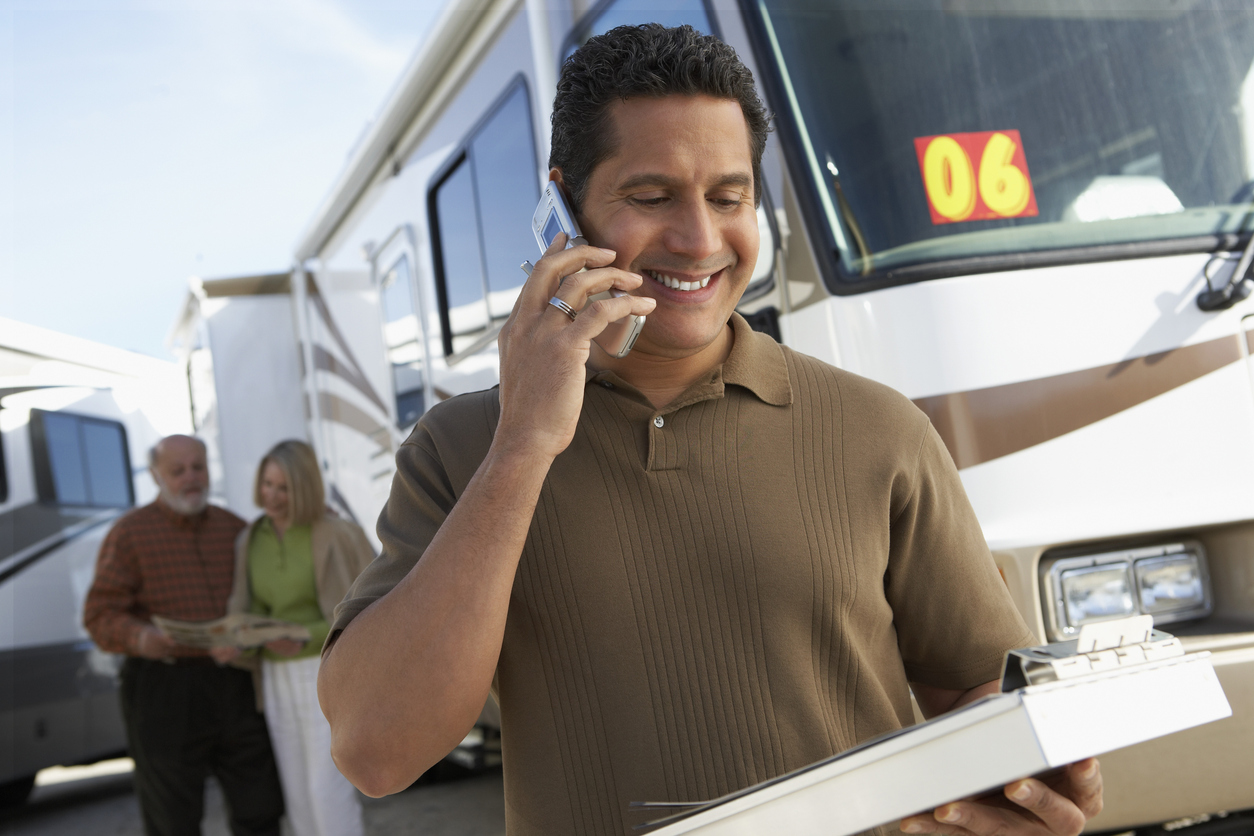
(187, 506)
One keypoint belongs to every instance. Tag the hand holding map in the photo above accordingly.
(241, 630)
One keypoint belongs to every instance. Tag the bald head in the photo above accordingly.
(179, 467)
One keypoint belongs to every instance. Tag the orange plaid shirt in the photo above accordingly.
(157, 562)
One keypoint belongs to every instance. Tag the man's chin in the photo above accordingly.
(680, 339)
(188, 505)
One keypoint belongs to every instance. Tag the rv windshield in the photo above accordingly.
(959, 129)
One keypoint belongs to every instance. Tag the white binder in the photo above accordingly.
(1114, 696)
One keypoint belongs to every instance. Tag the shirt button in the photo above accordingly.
(658, 421)
(607, 384)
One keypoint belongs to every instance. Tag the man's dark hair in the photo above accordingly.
(647, 61)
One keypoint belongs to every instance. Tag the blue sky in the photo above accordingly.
(145, 142)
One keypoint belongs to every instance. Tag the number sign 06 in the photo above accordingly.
(956, 191)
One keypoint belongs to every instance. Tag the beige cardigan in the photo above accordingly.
(340, 552)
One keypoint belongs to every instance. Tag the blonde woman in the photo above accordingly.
(295, 562)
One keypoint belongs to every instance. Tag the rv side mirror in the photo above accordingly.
(766, 250)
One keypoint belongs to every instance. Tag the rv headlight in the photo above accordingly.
(1096, 593)
(1170, 583)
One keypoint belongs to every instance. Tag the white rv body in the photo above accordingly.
(65, 402)
(243, 378)
(1092, 407)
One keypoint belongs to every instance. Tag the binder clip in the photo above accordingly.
(1099, 647)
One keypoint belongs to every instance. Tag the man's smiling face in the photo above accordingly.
(675, 202)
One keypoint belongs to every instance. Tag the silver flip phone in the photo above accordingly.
(552, 216)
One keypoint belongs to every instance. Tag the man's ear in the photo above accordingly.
(555, 174)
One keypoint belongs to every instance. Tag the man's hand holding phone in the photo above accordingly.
(544, 351)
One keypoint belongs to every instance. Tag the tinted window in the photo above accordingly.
(397, 299)
(104, 454)
(481, 212)
(935, 131)
(505, 183)
(65, 458)
(80, 460)
(459, 242)
(4, 475)
(401, 333)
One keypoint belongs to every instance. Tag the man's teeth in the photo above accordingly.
(676, 284)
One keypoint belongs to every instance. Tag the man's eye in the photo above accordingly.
(649, 201)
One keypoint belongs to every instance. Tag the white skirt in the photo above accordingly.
(320, 801)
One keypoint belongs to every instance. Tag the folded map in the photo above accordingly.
(235, 630)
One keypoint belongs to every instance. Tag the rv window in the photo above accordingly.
(505, 183)
(613, 13)
(80, 460)
(932, 134)
(465, 308)
(4, 475)
(401, 333)
(481, 211)
(397, 299)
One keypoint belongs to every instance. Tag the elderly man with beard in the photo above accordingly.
(186, 717)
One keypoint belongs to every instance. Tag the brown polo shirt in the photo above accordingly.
(157, 562)
(717, 592)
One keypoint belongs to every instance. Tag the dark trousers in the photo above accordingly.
(185, 722)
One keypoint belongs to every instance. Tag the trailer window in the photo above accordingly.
(934, 131)
(402, 335)
(80, 460)
(4, 474)
(481, 211)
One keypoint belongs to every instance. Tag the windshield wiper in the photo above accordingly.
(851, 221)
(1238, 287)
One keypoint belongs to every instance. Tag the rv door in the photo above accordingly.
(392, 268)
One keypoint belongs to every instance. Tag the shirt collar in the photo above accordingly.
(756, 362)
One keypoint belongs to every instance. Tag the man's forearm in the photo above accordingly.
(934, 701)
(113, 629)
(407, 678)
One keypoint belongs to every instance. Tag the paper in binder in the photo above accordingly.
(1056, 711)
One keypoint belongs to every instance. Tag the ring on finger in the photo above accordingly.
(564, 308)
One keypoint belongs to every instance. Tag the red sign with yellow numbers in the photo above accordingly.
(976, 176)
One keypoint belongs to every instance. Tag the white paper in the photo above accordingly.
(241, 630)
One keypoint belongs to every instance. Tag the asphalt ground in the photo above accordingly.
(100, 801)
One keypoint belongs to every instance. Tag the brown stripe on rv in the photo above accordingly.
(334, 408)
(350, 374)
(358, 380)
(266, 285)
(986, 424)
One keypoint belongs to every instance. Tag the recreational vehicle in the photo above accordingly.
(76, 421)
(1032, 217)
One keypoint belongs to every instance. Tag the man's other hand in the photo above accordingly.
(151, 643)
(1056, 806)
(225, 655)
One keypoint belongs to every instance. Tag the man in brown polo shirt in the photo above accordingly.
(687, 570)
(186, 717)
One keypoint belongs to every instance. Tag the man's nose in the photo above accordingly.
(693, 233)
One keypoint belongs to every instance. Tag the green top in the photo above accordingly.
(281, 576)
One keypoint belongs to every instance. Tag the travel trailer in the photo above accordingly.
(1032, 217)
(76, 420)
